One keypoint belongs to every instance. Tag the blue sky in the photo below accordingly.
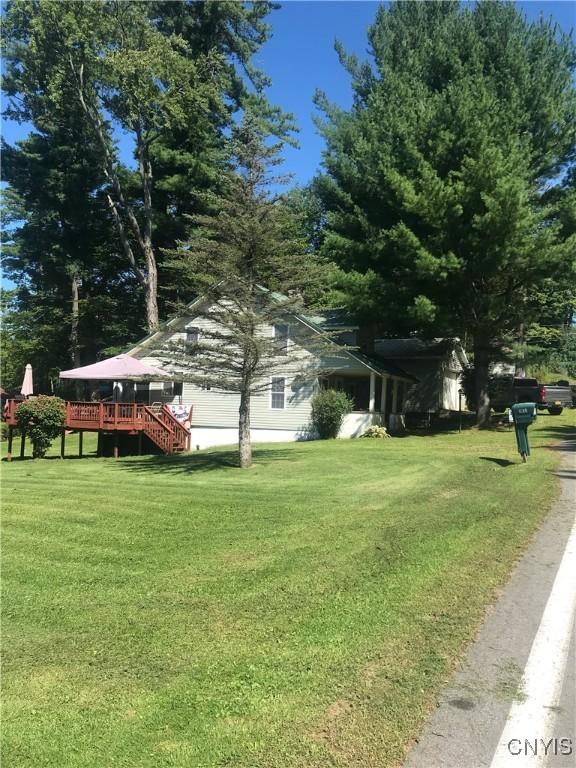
(300, 57)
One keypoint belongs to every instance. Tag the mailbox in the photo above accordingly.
(523, 415)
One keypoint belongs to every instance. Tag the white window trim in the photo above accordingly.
(287, 337)
(272, 408)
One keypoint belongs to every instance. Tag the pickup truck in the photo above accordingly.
(507, 390)
(555, 397)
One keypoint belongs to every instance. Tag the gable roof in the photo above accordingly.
(179, 322)
(332, 319)
(375, 364)
(415, 348)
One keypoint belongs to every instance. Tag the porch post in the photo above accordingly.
(371, 404)
(395, 396)
(383, 398)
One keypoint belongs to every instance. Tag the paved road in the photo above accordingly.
(515, 692)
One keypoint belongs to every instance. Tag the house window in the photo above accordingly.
(278, 395)
(281, 332)
(192, 336)
(178, 386)
(142, 394)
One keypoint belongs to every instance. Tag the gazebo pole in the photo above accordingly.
(80, 440)
(115, 443)
(63, 443)
(22, 443)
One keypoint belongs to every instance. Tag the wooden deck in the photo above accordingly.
(157, 423)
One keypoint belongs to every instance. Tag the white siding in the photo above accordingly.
(212, 408)
(451, 386)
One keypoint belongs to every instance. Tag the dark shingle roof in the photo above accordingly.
(332, 319)
(413, 347)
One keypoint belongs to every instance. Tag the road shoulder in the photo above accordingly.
(467, 726)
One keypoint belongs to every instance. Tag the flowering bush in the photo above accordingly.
(376, 432)
(43, 419)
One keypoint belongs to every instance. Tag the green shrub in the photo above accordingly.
(376, 432)
(43, 419)
(329, 406)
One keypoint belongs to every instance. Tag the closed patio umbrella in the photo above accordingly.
(27, 388)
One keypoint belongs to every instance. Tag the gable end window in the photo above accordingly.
(281, 334)
(192, 336)
(278, 393)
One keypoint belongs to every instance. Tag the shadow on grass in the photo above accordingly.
(564, 434)
(15, 459)
(200, 461)
(500, 462)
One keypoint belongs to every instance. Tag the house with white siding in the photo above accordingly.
(282, 411)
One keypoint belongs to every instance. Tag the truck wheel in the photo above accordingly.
(555, 411)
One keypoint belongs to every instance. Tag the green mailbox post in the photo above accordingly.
(523, 415)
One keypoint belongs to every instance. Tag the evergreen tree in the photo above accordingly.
(188, 156)
(166, 73)
(108, 59)
(69, 275)
(248, 260)
(436, 178)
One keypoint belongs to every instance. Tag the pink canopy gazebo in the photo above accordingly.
(118, 368)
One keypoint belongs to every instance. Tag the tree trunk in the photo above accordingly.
(119, 206)
(74, 329)
(481, 370)
(244, 444)
(145, 167)
(152, 318)
(520, 369)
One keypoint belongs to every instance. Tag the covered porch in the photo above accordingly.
(377, 396)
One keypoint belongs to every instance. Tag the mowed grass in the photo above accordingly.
(163, 611)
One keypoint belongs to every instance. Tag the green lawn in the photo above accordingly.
(163, 611)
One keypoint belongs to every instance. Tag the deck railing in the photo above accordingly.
(9, 415)
(162, 427)
(104, 415)
(158, 431)
(181, 433)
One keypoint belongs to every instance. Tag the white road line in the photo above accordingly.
(533, 718)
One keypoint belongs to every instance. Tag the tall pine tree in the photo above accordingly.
(248, 259)
(173, 75)
(436, 177)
